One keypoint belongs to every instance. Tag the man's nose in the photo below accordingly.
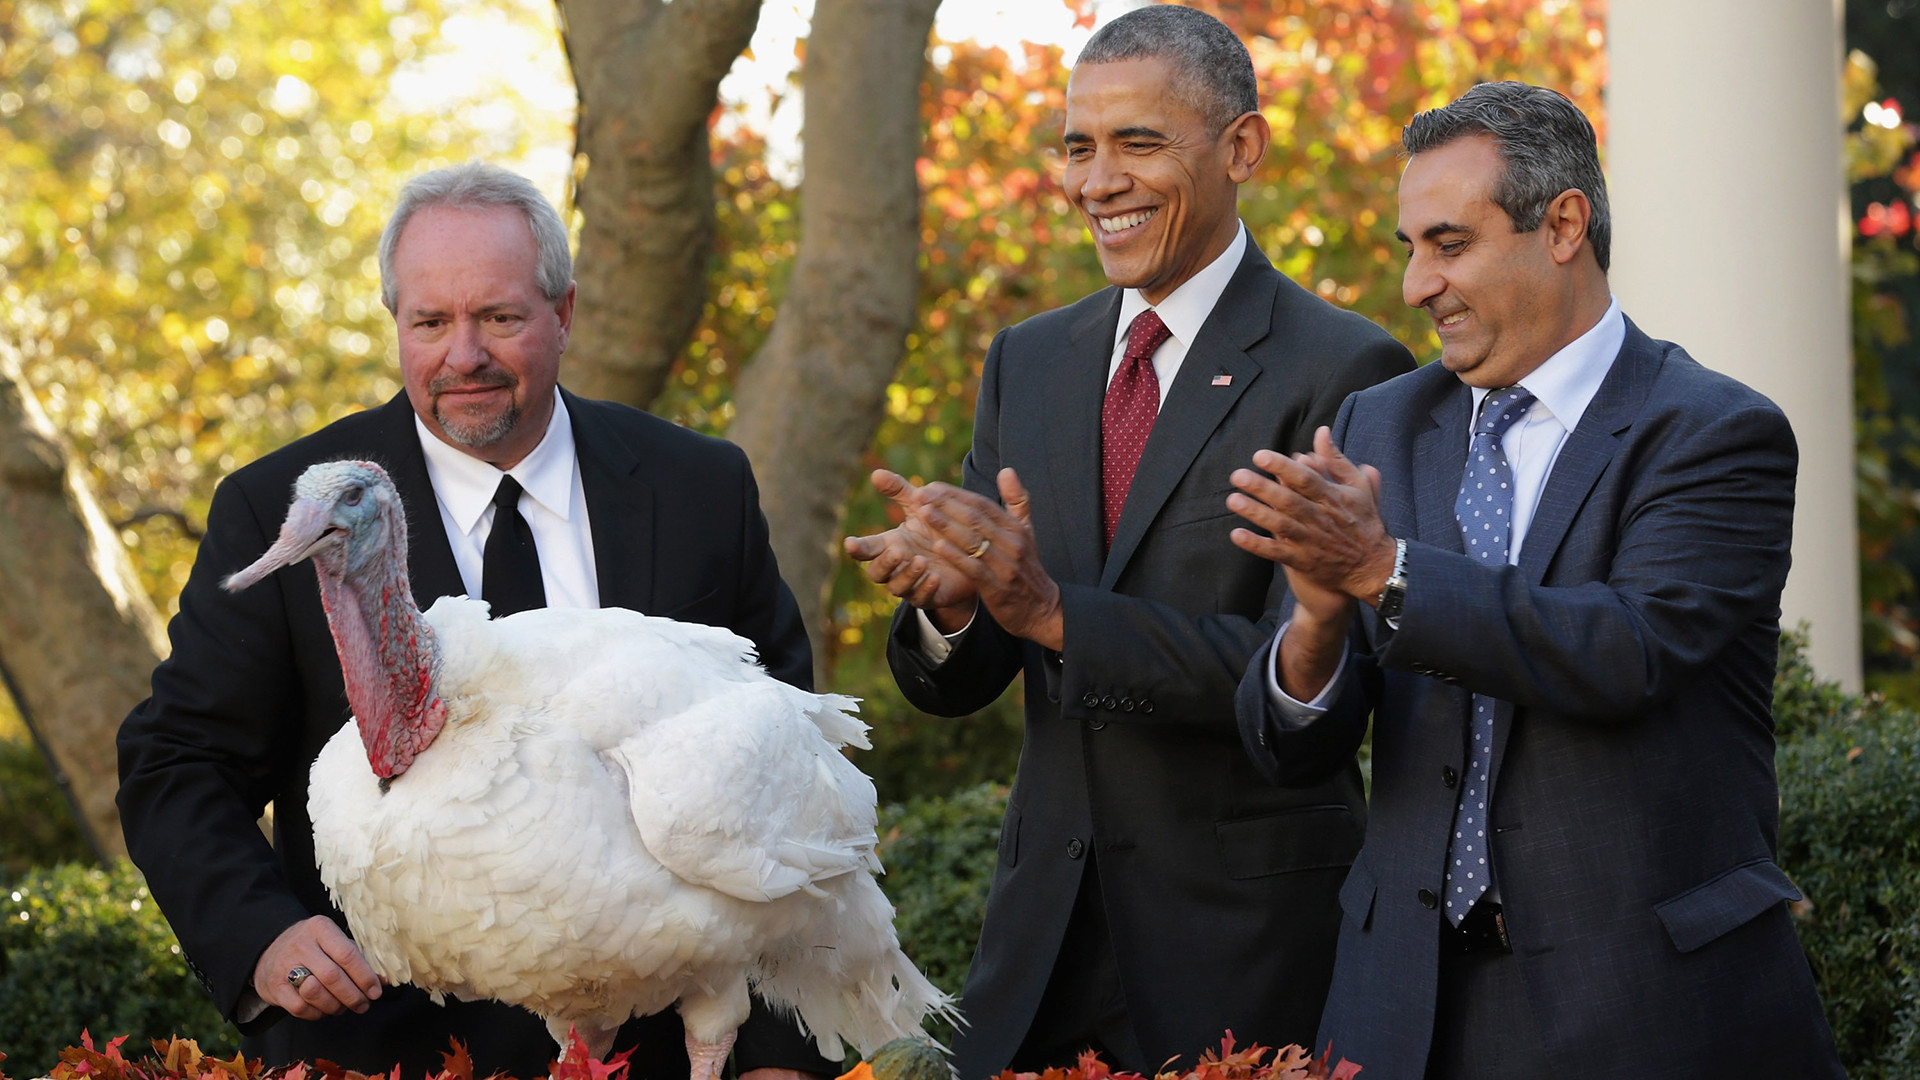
(466, 348)
(1420, 283)
(1106, 177)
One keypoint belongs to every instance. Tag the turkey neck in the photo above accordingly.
(388, 655)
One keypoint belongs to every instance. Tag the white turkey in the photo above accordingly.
(594, 814)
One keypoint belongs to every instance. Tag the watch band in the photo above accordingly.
(1393, 595)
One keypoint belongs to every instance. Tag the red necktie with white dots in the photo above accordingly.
(1126, 419)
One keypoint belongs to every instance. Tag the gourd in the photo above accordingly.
(910, 1059)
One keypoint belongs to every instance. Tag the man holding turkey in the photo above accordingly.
(521, 494)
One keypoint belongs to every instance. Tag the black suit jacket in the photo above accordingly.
(1219, 888)
(1634, 809)
(253, 690)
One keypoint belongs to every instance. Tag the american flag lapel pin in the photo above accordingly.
(1223, 380)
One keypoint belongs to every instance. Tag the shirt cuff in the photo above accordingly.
(936, 646)
(1300, 713)
(250, 1007)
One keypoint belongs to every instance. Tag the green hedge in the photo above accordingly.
(939, 855)
(87, 948)
(1850, 838)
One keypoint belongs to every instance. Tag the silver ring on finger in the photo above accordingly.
(297, 976)
(980, 548)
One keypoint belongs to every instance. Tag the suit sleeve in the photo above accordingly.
(200, 759)
(1292, 753)
(767, 613)
(1701, 551)
(986, 657)
(1189, 666)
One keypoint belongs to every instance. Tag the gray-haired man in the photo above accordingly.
(622, 508)
(1554, 587)
(1152, 890)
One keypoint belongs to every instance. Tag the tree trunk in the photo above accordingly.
(647, 73)
(78, 636)
(809, 403)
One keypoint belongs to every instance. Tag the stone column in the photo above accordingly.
(1730, 237)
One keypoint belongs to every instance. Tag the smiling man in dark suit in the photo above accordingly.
(517, 492)
(1152, 891)
(1554, 586)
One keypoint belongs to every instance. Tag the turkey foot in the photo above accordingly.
(708, 1059)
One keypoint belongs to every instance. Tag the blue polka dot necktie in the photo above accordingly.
(1485, 510)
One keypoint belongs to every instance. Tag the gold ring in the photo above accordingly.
(297, 976)
(981, 549)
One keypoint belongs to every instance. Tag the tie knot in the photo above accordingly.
(507, 495)
(1145, 335)
(1501, 409)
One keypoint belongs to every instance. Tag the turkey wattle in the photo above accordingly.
(594, 814)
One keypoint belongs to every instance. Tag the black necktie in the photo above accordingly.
(510, 575)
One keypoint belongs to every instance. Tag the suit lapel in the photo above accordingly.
(1075, 388)
(1194, 408)
(430, 564)
(1439, 459)
(619, 509)
(1588, 449)
(1583, 457)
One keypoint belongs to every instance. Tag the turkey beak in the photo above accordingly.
(306, 529)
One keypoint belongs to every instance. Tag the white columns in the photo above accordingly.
(1730, 238)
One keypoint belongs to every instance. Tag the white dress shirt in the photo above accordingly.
(552, 501)
(1184, 311)
(1562, 388)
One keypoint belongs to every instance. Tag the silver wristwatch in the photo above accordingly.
(1393, 596)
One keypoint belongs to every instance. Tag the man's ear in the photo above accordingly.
(1247, 137)
(1565, 223)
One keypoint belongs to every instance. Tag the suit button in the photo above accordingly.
(1448, 776)
(1146, 706)
(1126, 704)
(1091, 701)
(1428, 900)
(1109, 703)
(1075, 848)
(1096, 723)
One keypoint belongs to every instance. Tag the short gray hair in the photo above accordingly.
(476, 185)
(1211, 69)
(1546, 144)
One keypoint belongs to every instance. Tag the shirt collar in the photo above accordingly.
(1186, 309)
(1566, 382)
(465, 485)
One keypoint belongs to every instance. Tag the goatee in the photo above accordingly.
(480, 432)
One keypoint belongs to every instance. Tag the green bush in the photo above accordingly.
(939, 854)
(87, 948)
(1850, 837)
(37, 827)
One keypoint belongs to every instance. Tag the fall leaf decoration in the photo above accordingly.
(1290, 1063)
(181, 1059)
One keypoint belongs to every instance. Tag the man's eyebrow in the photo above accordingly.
(1433, 231)
(1138, 131)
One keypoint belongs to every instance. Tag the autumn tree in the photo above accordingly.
(187, 280)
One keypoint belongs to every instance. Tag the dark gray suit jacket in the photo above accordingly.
(1634, 806)
(1219, 887)
(253, 690)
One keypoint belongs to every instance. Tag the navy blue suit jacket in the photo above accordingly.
(1634, 807)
